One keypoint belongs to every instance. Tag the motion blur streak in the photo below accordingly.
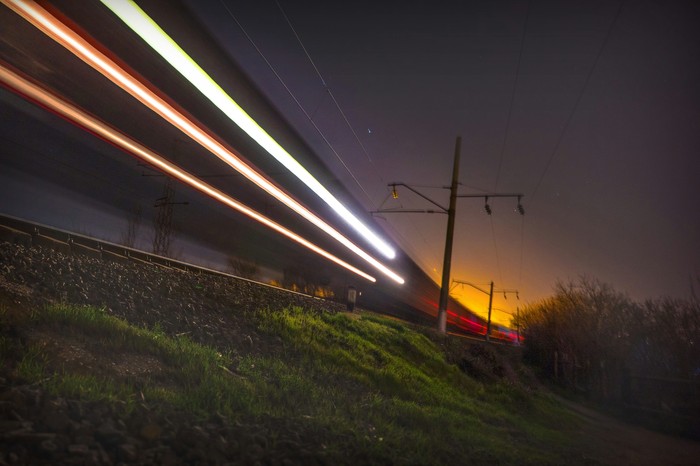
(86, 121)
(481, 329)
(143, 25)
(59, 32)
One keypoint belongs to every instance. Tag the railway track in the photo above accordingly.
(16, 230)
(19, 231)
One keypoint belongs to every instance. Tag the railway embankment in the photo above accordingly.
(125, 362)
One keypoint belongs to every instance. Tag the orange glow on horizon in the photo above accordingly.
(478, 303)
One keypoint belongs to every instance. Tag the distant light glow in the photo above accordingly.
(93, 57)
(143, 25)
(86, 121)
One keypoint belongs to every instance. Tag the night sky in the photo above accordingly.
(590, 109)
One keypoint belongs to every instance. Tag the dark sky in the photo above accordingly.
(588, 108)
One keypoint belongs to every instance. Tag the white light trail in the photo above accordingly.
(68, 38)
(95, 126)
(143, 25)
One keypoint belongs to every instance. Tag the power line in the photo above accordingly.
(433, 262)
(323, 81)
(512, 97)
(310, 118)
(397, 231)
(506, 132)
(286, 18)
(291, 94)
(347, 121)
(578, 99)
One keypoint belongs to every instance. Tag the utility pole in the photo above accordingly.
(164, 219)
(488, 323)
(449, 237)
(490, 293)
(164, 215)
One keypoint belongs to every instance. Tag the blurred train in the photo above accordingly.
(48, 150)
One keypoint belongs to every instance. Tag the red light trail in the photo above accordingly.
(77, 45)
(82, 119)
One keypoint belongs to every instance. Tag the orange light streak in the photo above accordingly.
(73, 42)
(86, 121)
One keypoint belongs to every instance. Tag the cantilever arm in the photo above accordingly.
(420, 194)
(407, 211)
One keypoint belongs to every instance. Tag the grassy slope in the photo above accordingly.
(368, 388)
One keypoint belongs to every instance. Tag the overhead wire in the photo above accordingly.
(82, 49)
(323, 81)
(507, 131)
(296, 100)
(350, 126)
(512, 97)
(428, 248)
(408, 244)
(561, 134)
(565, 128)
(397, 231)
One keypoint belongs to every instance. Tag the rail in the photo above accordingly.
(20, 230)
(28, 231)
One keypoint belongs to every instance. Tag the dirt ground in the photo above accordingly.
(612, 442)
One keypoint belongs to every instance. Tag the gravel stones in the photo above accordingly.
(39, 428)
(168, 437)
(208, 308)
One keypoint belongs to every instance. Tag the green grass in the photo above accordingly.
(5, 343)
(197, 374)
(31, 366)
(409, 399)
(367, 388)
